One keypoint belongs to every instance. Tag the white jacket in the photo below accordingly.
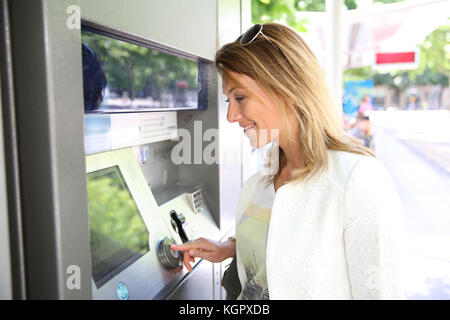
(337, 236)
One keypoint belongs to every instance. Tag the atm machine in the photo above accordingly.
(143, 192)
(105, 105)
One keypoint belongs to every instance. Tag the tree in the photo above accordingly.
(135, 69)
(435, 51)
(434, 65)
(387, 1)
(264, 11)
(351, 4)
(434, 61)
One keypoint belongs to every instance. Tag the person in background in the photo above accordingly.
(94, 79)
(365, 107)
(362, 130)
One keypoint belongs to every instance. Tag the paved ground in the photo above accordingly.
(412, 152)
(426, 133)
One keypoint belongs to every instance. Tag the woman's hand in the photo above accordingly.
(213, 251)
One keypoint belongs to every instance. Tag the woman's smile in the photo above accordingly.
(248, 127)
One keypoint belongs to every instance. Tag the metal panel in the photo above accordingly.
(11, 157)
(185, 25)
(48, 92)
(198, 285)
(5, 260)
(48, 105)
(171, 23)
(146, 278)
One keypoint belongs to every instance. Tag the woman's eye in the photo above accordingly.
(237, 99)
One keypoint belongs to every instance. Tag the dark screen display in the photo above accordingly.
(118, 233)
(122, 76)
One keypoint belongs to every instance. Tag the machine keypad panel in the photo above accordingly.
(131, 234)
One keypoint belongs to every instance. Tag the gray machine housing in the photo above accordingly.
(42, 96)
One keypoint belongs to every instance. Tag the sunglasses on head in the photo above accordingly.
(252, 33)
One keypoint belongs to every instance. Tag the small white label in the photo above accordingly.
(74, 279)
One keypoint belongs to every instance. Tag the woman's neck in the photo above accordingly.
(293, 155)
(290, 144)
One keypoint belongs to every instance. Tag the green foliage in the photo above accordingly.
(310, 5)
(264, 11)
(133, 68)
(434, 59)
(387, 1)
(351, 4)
(362, 73)
(434, 65)
(113, 214)
(435, 51)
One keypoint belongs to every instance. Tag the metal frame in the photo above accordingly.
(142, 42)
(5, 258)
(43, 127)
(17, 254)
(50, 149)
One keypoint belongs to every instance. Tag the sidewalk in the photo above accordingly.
(427, 271)
(424, 192)
(427, 133)
(436, 153)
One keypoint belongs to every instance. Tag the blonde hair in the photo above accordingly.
(288, 71)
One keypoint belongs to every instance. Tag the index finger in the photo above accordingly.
(183, 247)
(195, 244)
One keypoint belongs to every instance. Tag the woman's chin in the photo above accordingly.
(255, 140)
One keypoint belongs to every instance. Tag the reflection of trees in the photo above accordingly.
(139, 71)
(114, 214)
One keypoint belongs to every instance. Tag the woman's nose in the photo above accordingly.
(233, 114)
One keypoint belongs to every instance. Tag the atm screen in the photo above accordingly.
(122, 76)
(118, 233)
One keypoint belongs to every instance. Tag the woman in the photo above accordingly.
(365, 107)
(331, 207)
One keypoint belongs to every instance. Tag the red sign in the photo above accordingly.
(396, 57)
